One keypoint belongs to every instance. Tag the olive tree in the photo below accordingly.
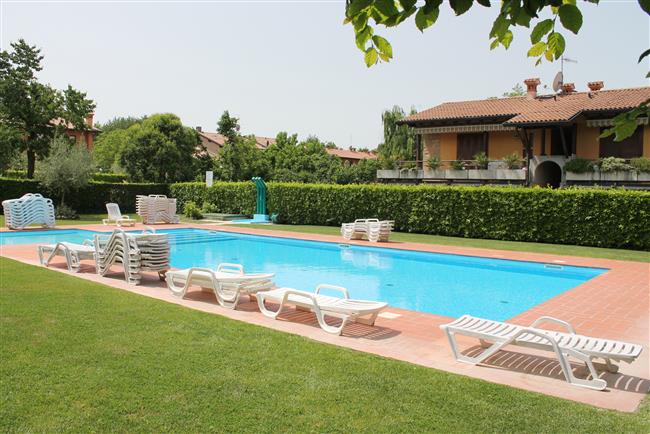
(67, 168)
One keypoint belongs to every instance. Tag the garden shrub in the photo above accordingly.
(457, 165)
(614, 164)
(434, 162)
(191, 210)
(512, 161)
(591, 217)
(97, 176)
(90, 199)
(481, 160)
(641, 164)
(579, 165)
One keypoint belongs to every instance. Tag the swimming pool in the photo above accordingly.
(442, 284)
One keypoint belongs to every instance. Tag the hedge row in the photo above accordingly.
(590, 217)
(90, 199)
(97, 176)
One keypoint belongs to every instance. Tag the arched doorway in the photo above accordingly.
(548, 174)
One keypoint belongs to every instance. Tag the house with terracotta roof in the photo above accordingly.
(351, 156)
(213, 142)
(87, 135)
(545, 131)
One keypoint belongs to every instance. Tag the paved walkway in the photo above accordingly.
(614, 305)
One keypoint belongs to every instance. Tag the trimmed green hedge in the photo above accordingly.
(590, 217)
(227, 197)
(90, 199)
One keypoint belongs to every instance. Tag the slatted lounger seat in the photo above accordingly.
(345, 308)
(27, 210)
(373, 229)
(563, 344)
(73, 254)
(134, 252)
(115, 216)
(156, 208)
(228, 282)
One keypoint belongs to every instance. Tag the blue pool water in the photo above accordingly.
(450, 285)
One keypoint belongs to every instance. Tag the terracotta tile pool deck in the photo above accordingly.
(615, 305)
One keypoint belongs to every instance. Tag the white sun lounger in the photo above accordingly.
(345, 308)
(228, 282)
(115, 216)
(495, 335)
(72, 252)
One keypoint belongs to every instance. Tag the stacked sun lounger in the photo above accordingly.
(135, 253)
(373, 229)
(29, 209)
(156, 209)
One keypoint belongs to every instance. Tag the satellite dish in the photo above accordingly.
(557, 81)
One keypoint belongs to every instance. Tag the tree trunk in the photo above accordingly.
(31, 163)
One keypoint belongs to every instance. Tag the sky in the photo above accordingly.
(293, 66)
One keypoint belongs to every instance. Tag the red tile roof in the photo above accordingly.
(543, 109)
(351, 155)
(218, 140)
(70, 126)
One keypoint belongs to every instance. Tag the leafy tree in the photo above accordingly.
(399, 140)
(517, 90)
(547, 41)
(364, 172)
(9, 139)
(29, 107)
(160, 149)
(108, 149)
(228, 126)
(67, 168)
(119, 123)
(239, 160)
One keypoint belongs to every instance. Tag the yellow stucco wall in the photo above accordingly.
(502, 143)
(587, 142)
(448, 146)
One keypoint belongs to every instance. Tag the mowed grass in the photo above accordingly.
(554, 249)
(79, 357)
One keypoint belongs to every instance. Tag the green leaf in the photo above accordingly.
(384, 46)
(494, 44)
(644, 54)
(360, 21)
(571, 17)
(386, 7)
(485, 3)
(363, 37)
(506, 40)
(407, 4)
(556, 44)
(460, 6)
(356, 6)
(424, 20)
(371, 57)
(537, 49)
(500, 26)
(540, 29)
(645, 5)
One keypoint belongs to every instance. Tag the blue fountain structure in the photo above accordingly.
(260, 215)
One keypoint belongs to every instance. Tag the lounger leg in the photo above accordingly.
(484, 343)
(369, 320)
(611, 367)
(267, 312)
(467, 359)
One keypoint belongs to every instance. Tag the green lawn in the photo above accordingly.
(556, 249)
(80, 357)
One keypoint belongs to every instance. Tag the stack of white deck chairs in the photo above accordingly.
(373, 229)
(29, 209)
(135, 252)
(156, 208)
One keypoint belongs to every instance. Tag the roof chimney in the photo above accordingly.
(568, 88)
(199, 129)
(595, 86)
(531, 87)
(89, 120)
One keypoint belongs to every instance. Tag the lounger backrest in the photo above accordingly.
(114, 212)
